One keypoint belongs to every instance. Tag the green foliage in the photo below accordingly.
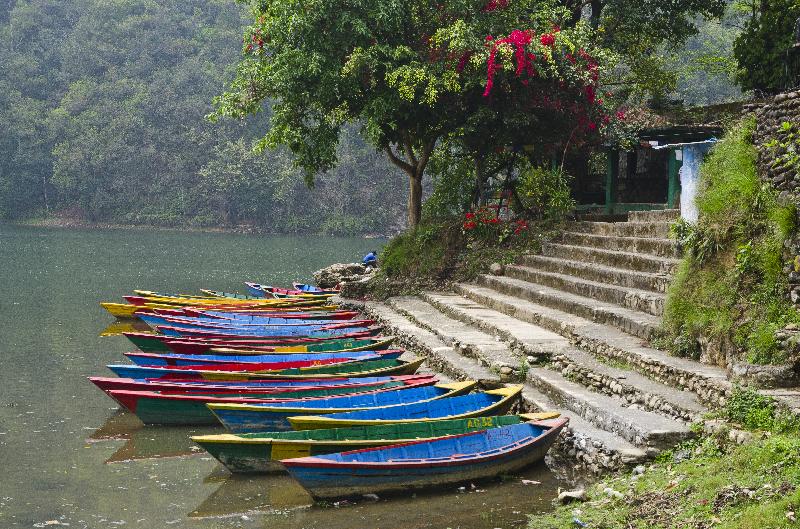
(761, 48)
(730, 288)
(711, 484)
(545, 192)
(108, 128)
(754, 411)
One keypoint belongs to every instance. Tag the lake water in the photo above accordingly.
(69, 457)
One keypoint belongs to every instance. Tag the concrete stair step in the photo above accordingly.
(628, 260)
(619, 380)
(632, 387)
(641, 324)
(521, 337)
(622, 229)
(581, 444)
(655, 215)
(632, 298)
(641, 428)
(647, 245)
(710, 383)
(600, 273)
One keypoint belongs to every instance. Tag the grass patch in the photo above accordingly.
(730, 289)
(749, 486)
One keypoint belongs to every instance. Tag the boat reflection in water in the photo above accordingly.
(239, 495)
(147, 442)
(121, 326)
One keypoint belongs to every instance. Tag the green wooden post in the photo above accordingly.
(612, 172)
(673, 172)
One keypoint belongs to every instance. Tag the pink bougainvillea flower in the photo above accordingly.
(547, 39)
(469, 216)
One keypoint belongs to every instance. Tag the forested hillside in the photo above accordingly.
(102, 105)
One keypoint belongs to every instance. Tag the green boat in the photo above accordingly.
(148, 342)
(261, 452)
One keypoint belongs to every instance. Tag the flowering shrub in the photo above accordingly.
(484, 223)
(567, 76)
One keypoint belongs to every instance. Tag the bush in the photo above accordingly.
(545, 193)
(731, 286)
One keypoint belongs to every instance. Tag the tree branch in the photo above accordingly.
(397, 161)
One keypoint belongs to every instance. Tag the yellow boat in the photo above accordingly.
(486, 403)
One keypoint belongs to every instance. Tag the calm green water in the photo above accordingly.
(69, 456)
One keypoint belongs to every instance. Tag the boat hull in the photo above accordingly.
(261, 452)
(244, 418)
(328, 481)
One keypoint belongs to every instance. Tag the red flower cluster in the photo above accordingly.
(547, 39)
(521, 225)
(519, 39)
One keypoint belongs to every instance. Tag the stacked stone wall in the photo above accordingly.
(770, 117)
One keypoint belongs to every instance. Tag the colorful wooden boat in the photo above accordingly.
(158, 343)
(154, 320)
(492, 402)
(303, 287)
(460, 458)
(188, 386)
(261, 452)
(173, 359)
(255, 315)
(368, 368)
(243, 418)
(281, 333)
(220, 294)
(152, 407)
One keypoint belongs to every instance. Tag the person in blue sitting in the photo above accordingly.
(371, 259)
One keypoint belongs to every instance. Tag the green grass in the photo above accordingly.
(730, 289)
(723, 486)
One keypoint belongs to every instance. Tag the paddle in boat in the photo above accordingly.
(467, 457)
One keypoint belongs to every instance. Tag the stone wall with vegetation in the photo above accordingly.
(729, 303)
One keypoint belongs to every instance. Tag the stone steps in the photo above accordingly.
(599, 273)
(646, 245)
(604, 341)
(632, 298)
(623, 229)
(574, 364)
(628, 260)
(521, 337)
(641, 428)
(645, 326)
(581, 444)
(655, 215)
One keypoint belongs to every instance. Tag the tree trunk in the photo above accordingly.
(414, 199)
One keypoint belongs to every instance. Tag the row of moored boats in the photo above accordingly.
(307, 387)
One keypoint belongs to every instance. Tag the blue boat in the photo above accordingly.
(455, 459)
(493, 402)
(348, 369)
(306, 332)
(167, 359)
(257, 290)
(273, 417)
(154, 320)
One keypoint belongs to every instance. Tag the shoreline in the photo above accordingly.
(62, 223)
